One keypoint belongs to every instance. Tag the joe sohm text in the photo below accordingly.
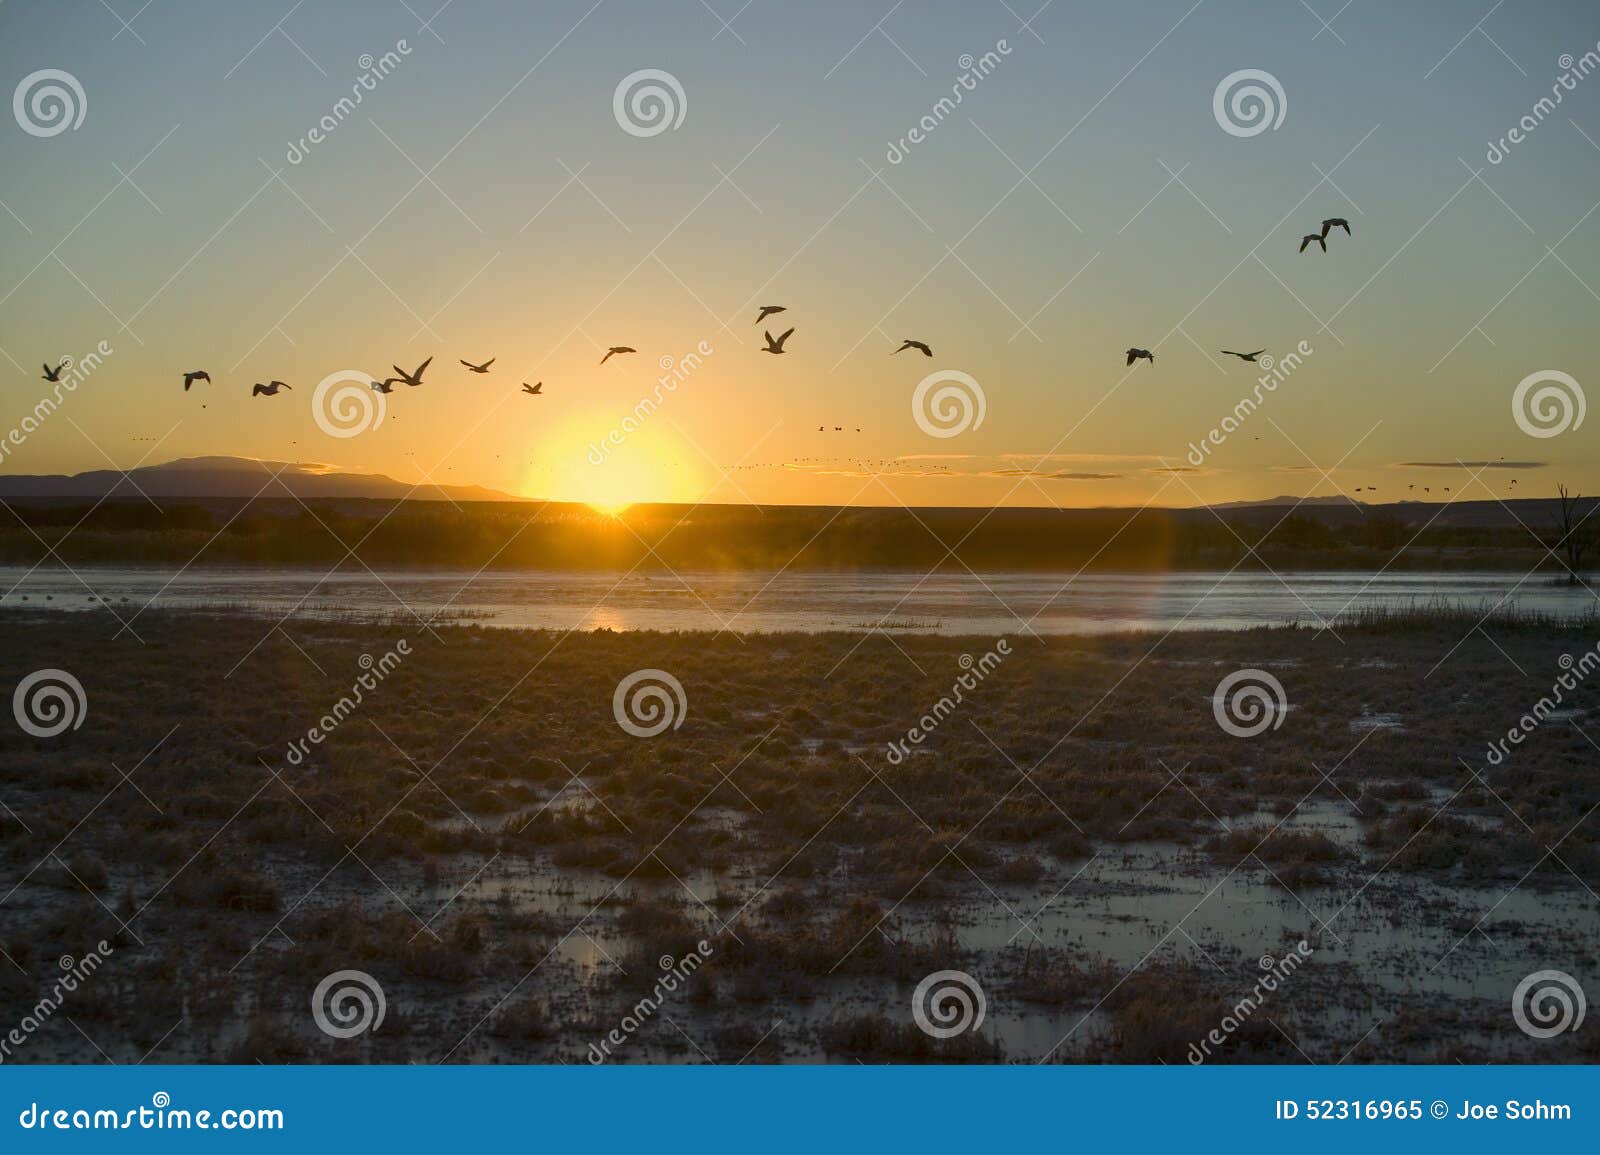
(1511, 1111)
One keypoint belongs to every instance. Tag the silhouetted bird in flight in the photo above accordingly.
(269, 389)
(1135, 354)
(1335, 223)
(383, 386)
(408, 378)
(484, 368)
(615, 349)
(198, 375)
(54, 374)
(776, 346)
(768, 310)
(1245, 356)
(910, 344)
(1309, 237)
(533, 389)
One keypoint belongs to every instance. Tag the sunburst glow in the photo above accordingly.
(647, 467)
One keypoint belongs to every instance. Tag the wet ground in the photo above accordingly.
(1110, 870)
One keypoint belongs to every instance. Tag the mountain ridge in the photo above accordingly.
(237, 477)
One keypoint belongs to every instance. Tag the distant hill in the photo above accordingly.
(238, 478)
(1536, 513)
(1285, 499)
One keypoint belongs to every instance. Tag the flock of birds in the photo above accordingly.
(1321, 238)
(413, 378)
(774, 345)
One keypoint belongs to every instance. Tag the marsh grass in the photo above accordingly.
(489, 794)
(1439, 616)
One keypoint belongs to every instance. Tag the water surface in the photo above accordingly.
(944, 603)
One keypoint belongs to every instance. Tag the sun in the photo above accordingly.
(610, 506)
(617, 482)
(610, 478)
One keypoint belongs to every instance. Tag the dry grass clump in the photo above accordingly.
(1295, 857)
(1156, 1017)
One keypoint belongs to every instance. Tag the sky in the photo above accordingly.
(487, 198)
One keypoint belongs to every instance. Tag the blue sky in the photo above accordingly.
(544, 232)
